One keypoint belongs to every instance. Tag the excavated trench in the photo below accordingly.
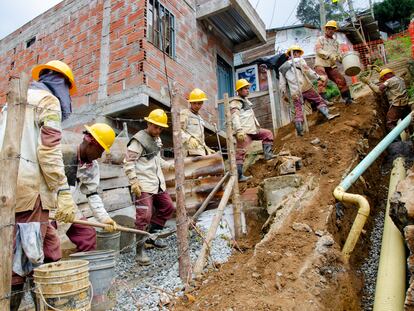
(296, 264)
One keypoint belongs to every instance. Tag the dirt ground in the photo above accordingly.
(283, 273)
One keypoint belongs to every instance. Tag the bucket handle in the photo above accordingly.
(55, 309)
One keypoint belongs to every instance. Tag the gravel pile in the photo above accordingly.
(153, 287)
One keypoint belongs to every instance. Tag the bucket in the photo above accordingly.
(108, 240)
(63, 285)
(101, 274)
(351, 63)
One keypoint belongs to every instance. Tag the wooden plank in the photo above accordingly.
(17, 100)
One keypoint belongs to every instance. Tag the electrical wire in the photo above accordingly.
(273, 14)
(290, 15)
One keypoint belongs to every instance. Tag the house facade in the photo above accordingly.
(127, 55)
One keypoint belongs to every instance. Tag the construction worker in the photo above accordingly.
(192, 126)
(82, 171)
(42, 185)
(296, 77)
(394, 89)
(246, 127)
(327, 54)
(142, 165)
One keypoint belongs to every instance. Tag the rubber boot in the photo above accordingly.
(299, 128)
(325, 98)
(157, 243)
(242, 178)
(16, 297)
(326, 114)
(33, 293)
(268, 152)
(141, 256)
(347, 97)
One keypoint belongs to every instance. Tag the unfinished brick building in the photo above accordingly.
(122, 51)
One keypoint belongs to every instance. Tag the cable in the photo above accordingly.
(294, 8)
(273, 14)
(257, 4)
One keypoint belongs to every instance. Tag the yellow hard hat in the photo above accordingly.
(241, 83)
(158, 117)
(295, 48)
(332, 24)
(103, 134)
(59, 66)
(384, 72)
(197, 95)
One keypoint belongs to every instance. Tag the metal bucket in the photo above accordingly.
(101, 275)
(108, 240)
(351, 63)
(63, 285)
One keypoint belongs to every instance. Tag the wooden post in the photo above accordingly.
(272, 100)
(9, 158)
(199, 265)
(231, 152)
(184, 263)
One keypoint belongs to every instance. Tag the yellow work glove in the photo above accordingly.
(323, 78)
(192, 143)
(364, 79)
(136, 189)
(65, 211)
(241, 136)
(111, 225)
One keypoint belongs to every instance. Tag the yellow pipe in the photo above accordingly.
(390, 287)
(359, 222)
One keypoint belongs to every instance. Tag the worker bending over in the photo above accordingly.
(142, 165)
(246, 127)
(192, 126)
(296, 77)
(394, 89)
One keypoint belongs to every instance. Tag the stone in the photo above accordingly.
(297, 226)
(315, 141)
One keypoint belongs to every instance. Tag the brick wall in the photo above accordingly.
(104, 41)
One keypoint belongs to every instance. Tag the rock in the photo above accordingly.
(315, 141)
(297, 226)
(319, 232)
(324, 244)
(256, 275)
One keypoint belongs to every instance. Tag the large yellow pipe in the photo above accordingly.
(363, 213)
(390, 287)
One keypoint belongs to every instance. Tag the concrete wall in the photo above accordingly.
(114, 65)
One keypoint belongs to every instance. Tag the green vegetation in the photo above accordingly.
(398, 48)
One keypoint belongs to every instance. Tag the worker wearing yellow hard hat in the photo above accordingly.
(143, 166)
(396, 93)
(192, 125)
(327, 56)
(246, 127)
(41, 180)
(82, 172)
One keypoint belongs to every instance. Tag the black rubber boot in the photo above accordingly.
(299, 128)
(347, 97)
(241, 177)
(141, 256)
(16, 297)
(326, 114)
(268, 152)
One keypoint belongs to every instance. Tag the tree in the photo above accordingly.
(308, 12)
(393, 15)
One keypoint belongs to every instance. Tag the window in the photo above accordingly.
(161, 27)
(30, 42)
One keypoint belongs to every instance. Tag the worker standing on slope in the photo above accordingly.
(82, 171)
(142, 165)
(42, 185)
(396, 92)
(192, 126)
(296, 76)
(246, 127)
(327, 54)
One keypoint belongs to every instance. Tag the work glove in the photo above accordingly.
(136, 189)
(241, 136)
(65, 211)
(192, 143)
(111, 225)
(322, 78)
(209, 151)
(364, 79)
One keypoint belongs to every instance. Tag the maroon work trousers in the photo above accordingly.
(264, 135)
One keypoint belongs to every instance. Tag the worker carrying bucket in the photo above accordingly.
(327, 54)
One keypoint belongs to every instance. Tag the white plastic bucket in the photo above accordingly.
(351, 63)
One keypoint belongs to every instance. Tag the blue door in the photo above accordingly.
(225, 85)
